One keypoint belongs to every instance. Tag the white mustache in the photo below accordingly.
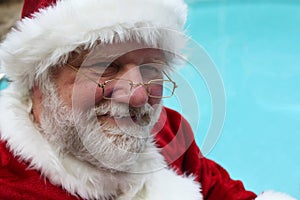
(141, 115)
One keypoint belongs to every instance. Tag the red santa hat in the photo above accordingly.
(51, 29)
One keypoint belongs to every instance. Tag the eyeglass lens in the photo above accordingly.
(120, 88)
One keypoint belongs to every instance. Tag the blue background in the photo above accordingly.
(256, 48)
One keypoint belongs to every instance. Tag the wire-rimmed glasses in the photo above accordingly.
(118, 87)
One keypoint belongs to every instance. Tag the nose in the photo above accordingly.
(138, 96)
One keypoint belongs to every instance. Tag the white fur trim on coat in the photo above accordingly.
(270, 195)
(46, 39)
(79, 178)
(172, 187)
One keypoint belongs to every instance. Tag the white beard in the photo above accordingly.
(110, 146)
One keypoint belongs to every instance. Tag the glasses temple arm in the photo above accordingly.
(170, 79)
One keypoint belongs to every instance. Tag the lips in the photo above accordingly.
(132, 119)
(117, 119)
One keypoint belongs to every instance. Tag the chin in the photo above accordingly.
(111, 147)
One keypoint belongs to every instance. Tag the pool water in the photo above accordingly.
(255, 46)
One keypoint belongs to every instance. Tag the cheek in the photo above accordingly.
(154, 101)
(156, 91)
(79, 94)
(85, 96)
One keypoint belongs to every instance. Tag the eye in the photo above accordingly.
(151, 71)
(102, 69)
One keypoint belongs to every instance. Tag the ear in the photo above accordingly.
(37, 99)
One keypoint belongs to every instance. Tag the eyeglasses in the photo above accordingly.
(116, 88)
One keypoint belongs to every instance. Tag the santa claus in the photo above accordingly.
(82, 117)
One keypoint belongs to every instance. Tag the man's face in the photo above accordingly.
(78, 88)
(106, 128)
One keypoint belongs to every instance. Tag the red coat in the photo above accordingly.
(178, 147)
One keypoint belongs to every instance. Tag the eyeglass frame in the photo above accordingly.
(131, 83)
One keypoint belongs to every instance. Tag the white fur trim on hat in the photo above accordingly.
(41, 41)
(270, 195)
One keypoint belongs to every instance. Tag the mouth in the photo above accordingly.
(129, 120)
(117, 119)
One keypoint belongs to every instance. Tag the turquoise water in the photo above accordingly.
(3, 84)
(255, 46)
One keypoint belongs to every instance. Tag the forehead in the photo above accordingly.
(124, 52)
